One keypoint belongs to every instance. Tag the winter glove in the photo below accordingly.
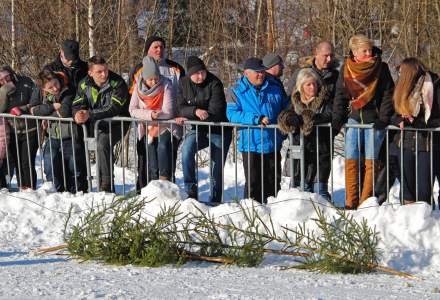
(379, 124)
(15, 111)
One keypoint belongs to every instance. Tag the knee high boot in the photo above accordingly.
(367, 187)
(351, 183)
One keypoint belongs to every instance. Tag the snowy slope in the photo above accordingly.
(410, 242)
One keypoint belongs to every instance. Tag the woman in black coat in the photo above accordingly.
(310, 105)
(417, 104)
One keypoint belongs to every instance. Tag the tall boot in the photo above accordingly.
(367, 187)
(351, 183)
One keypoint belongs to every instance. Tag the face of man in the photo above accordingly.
(99, 73)
(64, 60)
(52, 87)
(5, 77)
(199, 76)
(156, 50)
(277, 70)
(324, 56)
(256, 78)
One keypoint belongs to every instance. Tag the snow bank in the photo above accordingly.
(410, 235)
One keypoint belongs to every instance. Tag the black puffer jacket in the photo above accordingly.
(74, 74)
(108, 101)
(380, 107)
(423, 138)
(209, 96)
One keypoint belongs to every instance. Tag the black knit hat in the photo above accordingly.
(151, 40)
(70, 49)
(194, 64)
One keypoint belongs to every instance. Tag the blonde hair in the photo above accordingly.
(305, 75)
(358, 40)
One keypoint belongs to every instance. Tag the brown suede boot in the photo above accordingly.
(367, 187)
(351, 183)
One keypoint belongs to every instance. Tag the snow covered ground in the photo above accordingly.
(410, 242)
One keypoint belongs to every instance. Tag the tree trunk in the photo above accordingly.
(14, 62)
(257, 26)
(91, 23)
(77, 32)
(171, 28)
(271, 29)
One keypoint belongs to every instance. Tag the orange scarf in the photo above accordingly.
(361, 79)
(153, 102)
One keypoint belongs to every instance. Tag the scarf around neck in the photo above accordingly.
(152, 99)
(422, 94)
(361, 79)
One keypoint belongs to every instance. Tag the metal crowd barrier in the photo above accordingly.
(294, 152)
(245, 129)
(13, 130)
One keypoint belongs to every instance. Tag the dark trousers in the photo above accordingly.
(258, 183)
(105, 156)
(423, 190)
(54, 152)
(22, 161)
(162, 156)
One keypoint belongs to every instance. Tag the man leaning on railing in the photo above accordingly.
(201, 97)
(254, 100)
(101, 95)
(23, 136)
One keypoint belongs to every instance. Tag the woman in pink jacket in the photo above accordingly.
(152, 100)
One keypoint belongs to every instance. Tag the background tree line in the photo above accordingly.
(222, 32)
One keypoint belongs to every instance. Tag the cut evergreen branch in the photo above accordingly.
(122, 232)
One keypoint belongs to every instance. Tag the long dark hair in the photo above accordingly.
(410, 71)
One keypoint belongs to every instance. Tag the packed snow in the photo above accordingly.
(410, 242)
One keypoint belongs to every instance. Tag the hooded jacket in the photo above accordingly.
(20, 97)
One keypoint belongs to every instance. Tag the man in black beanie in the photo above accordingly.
(201, 97)
(155, 48)
(69, 65)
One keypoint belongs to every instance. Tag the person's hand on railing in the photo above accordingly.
(57, 106)
(202, 114)
(155, 114)
(15, 111)
(180, 120)
(81, 116)
(264, 121)
(379, 124)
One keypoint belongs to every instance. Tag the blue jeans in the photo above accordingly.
(159, 160)
(191, 145)
(360, 141)
(53, 159)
